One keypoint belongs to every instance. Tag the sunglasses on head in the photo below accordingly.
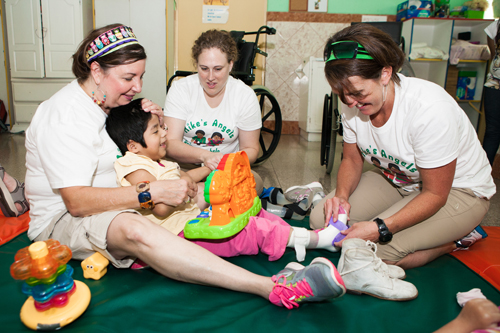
(347, 49)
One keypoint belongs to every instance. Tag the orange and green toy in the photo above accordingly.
(55, 299)
(230, 189)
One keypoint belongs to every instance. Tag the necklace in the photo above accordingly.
(98, 102)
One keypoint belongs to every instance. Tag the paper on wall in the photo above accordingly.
(215, 14)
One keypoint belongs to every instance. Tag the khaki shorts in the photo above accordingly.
(85, 235)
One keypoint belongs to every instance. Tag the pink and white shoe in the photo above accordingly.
(297, 284)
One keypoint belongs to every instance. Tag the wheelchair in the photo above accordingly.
(270, 133)
(331, 126)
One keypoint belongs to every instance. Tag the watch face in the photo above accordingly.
(385, 236)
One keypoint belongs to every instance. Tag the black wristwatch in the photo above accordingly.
(384, 234)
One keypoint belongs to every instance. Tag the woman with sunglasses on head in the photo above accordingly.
(442, 189)
(71, 184)
(212, 101)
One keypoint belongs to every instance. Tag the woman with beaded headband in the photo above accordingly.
(215, 102)
(71, 183)
(411, 123)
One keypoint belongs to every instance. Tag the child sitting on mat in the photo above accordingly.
(142, 142)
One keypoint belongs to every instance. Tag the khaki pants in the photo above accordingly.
(375, 197)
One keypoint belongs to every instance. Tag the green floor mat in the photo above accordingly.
(144, 301)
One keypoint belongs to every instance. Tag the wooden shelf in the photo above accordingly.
(428, 59)
(471, 61)
(467, 100)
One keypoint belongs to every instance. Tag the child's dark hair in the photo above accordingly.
(128, 122)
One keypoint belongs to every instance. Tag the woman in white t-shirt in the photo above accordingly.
(432, 181)
(492, 94)
(210, 113)
(72, 190)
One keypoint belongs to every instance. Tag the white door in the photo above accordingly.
(24, 31)
(63, 26)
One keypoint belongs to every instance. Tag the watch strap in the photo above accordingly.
(142, 186)
(384, 234)
(145, 200)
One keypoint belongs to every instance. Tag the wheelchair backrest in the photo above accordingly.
(246, 53)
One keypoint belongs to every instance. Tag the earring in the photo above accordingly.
(96, 101)
(384, 93)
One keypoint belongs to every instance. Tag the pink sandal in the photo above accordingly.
(9, 199)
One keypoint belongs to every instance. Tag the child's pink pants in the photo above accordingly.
(265, 233)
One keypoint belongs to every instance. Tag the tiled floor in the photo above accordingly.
(295, 162)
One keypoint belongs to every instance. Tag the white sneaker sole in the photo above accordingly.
(357, 292)
(311, 185)
(295, 266)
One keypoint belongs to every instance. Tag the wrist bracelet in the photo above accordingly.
(144, 196)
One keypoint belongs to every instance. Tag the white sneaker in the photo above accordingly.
(392, 270)
(465, 242)
(312, 191)
(363, 273)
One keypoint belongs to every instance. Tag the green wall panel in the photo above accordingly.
(377, 7)
(277, 5)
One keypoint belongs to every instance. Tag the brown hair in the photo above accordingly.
(379, 45)
(125, 55)
(219, 39)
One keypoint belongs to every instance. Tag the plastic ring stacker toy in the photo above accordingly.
(230, 189)
(55, 299)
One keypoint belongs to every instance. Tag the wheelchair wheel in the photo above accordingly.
(330, 127)
(269, 135)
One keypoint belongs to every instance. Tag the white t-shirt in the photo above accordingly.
(66, 145)
(493, 77)
(213, 129)
(428, 129)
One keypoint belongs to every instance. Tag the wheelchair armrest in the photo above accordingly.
(184, 73)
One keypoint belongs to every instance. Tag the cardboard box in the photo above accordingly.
(413, 8)
(466, 85)
(474, 14)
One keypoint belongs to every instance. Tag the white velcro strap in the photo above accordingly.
(301, 240)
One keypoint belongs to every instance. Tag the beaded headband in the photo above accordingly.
(110, 41)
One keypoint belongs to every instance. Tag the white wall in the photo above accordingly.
(148, 20)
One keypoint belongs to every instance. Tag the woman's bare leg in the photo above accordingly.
(176, 258)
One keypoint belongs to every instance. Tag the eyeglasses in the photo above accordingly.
(347, 49)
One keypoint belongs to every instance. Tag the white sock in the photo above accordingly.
(317, 198)
(299, 239)
(325, 238)
(302, 239)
